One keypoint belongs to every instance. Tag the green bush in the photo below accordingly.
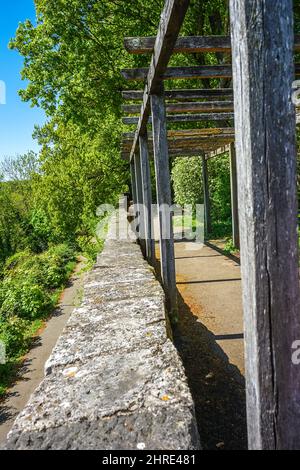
(24, 299)
(187, 181)
(14, 334)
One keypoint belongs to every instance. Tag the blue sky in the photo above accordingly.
(17, 119)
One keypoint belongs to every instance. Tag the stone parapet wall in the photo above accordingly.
(114, 379)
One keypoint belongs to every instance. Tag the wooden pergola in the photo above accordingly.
(262, 147)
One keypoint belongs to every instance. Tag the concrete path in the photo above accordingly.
(211, 285)
(209, 338)
(32, 371)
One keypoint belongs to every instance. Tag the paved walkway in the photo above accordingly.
(32, 371)
(209, 337)
(211, 285)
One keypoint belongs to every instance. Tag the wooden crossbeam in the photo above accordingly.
(219, 131)
(187, 152)
(137, 95)
(187, 118)
(218, 152)
(199, 71)
(186, 141)
(189, 44)
(145, 45)
(171, 21)
(180, 73)
(189, 107)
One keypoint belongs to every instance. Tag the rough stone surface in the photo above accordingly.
(114, 379)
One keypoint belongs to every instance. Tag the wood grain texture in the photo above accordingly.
(263, 72)
(187, 118)
(211, 131)
(180, 73)
(169, 27)
(164, 201)
(187, 44)
(147, 198)
(188, 107)
(137, 95)
(234, 197)
(207, 219)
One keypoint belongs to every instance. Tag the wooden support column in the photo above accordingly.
(263, 72)
(133, 182)
(234, 198)
(207, 220)
(139, 208)
(147, 198)
(163, 190)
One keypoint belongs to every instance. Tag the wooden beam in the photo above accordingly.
(133, 182)
(187, 118)
(137, 95)
(211, 131)
(139, 212)
(262, 41)
(164, 201)
(207, 220)
(147, 198)
(181, 73)
(234, 198)
(218, 152)
(185, 73)
(189, 107)
(145, 45)
(187, 44)
(188, 142)
(169, 27)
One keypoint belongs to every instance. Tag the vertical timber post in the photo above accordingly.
(207, 220)
(139, 194)
(234, 197)
(147, 197)
(164, 201)
(263, 72)
(133, 181)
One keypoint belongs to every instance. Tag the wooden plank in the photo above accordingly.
(187, 118)
(169, 27)
(234, 198)
(137, 95)
(188, 72)
(145, 45)
(218, 152)
(140, 203)
(211, 131)
(188, 142)
(147, 198)
(133, 183)
(207, 219)
(164, 201)
(187, 44)
(262, 39)
(189, 107)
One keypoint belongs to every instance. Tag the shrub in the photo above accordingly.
(13, 332)
(24, 299)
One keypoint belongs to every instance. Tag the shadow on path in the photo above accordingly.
(217, 386)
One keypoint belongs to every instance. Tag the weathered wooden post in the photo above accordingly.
(147, 197)
(234, 197)
(133, 182)
(139, 206)
(164, 201)
(263, 71)
(207, 220)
